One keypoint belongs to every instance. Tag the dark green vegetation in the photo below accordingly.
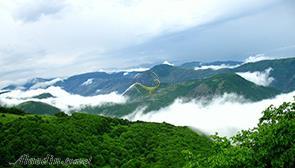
(110, 142)
(11, 110)
(270, 144)
(197, 89)
(119, 143)
(37, 108)
(43, 96)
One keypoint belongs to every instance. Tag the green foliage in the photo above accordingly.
(12, 110)
(37, 108)
(110, 142)
(6, 117)
(60, 114)
(270, 144)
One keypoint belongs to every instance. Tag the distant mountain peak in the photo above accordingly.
(168, 63)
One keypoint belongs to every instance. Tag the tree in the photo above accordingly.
(270, 144)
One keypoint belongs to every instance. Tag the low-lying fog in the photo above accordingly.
(225, 114)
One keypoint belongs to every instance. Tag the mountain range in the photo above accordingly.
(95, 83)
(162, 84)
(107, 140)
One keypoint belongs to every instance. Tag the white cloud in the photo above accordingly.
(168, 63)
(46, 84)
(87, 82)
(256, 58)
(125, 71)
(259, 78)
(134, 70)
(62, 99)
(216, 67)
(226, 114)
(19, 82)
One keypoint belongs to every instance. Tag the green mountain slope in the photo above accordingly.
(212, 86)
(37, 108)
(283, 71)
(196, 89)
(108, 142)
(43, 96)
(231, 83)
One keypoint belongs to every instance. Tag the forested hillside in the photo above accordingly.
(111, 142)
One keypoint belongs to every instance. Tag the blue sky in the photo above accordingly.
(48, 38)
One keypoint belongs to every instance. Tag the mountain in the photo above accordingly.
(37, 108)
(165, 94)
(212, 86)
(282, 70)
(190, 65)
(43, 96)
(231, 63)
(29, 84)
(194, 65)
(231, 83)
(94, 83)
(159, 86)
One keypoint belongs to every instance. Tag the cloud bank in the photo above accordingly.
(256, 58)
(62, 99)
(226, 114)
(216, 67)
(46, 84)
(259, 78)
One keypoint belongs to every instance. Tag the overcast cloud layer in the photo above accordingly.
(49, 38)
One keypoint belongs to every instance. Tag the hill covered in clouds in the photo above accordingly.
(157, 93)
(102, 141)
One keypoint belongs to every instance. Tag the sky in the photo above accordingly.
(48, 38)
